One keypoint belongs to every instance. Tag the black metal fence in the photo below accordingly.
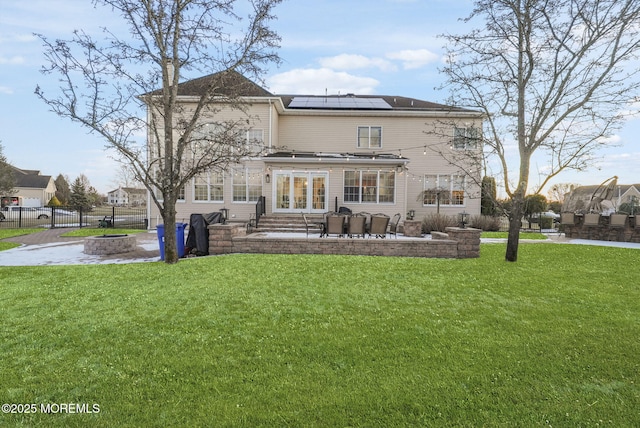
(50, 217)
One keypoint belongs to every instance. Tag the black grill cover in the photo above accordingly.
(198, 237)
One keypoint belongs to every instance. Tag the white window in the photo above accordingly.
(255, 140)
(247, 184)
(208, 187)
(466, 138)
(158, 193)
(443, 190)
(369, 186)
(369, 137)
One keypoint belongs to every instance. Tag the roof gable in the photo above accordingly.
(30, 178)
(228, 83)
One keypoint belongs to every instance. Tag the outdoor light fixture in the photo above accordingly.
(411, 214)
(225, 215)
(464, 219)
(267, 178)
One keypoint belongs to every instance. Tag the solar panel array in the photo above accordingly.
(340, 103)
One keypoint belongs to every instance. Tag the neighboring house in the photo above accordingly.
(370, 153)
(579, 198)
(625, 194)
(127, 197)
(31, 189)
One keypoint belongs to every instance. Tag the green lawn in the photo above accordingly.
(90, 231)
(10, 233)
(523, 235)
(278, 340)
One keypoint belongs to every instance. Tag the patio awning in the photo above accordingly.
(386, 159)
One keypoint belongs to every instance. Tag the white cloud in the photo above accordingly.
(317, 81)
(14, 60)
(6, 90)
(352, 62)
(413, 59)
(17, 38)
(612, 140)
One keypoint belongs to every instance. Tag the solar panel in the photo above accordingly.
(340, 103)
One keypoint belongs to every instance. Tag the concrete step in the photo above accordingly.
(287, 223)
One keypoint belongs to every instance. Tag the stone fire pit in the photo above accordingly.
(109, 244)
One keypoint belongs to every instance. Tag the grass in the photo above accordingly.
(87, 231)
(10, 233)
(523, 235)
(279, 340)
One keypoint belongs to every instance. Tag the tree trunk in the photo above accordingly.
(170, 242)
(515, 223)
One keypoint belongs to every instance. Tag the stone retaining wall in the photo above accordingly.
(106, 245)
(456, 243)
(604, 231)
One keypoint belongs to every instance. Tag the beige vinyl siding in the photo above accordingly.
(337, 132)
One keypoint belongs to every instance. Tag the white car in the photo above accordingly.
(14, 213)
(551, 214)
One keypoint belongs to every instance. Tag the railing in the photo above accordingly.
(260, 209)
(56, 217)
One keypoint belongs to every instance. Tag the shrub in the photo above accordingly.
(54, 202)
(486, 223)
(437, 222)
(546, 222)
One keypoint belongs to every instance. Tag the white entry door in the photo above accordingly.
(300, 191)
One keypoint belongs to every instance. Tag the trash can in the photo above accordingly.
(179, 239)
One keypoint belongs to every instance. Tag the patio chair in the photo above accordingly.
(568, 219)
(617, 224)
(367, 222)
(323, 224)
(356, 225)
(379, 223)
(393, 225)
(618, 220)
(591, 219)
(335, 225)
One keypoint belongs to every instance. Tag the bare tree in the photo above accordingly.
(558, 191)
(125, 176)
(551, 76)
(124, 88)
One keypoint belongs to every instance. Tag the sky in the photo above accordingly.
(389, 47)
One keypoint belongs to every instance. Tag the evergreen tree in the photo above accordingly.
(80, 199)
(488, 198)
(63, 192)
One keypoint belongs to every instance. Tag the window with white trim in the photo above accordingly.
(466, 138)
(247, 184)
(208, 187)
(376, 187)
(181, 192)
(369, 137)
(255, 140)
(443, 190)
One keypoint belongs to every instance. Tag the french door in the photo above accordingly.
(300, 191)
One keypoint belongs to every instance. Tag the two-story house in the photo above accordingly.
(373, 153)
(127, 197)
(31, 189)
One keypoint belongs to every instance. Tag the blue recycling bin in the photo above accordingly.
(179, 239)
